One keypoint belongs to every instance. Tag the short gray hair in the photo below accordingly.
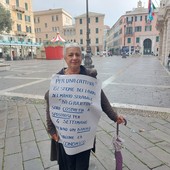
(69, 45)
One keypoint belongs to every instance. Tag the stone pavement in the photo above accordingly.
(24, 142)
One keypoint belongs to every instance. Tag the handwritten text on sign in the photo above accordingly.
(75, 109)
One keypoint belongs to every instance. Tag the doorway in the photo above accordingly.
(147, 44)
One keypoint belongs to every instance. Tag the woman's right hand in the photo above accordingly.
(55, 137)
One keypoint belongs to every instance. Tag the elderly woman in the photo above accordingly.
(79, 161)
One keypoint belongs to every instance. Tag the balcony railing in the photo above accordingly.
(19, 9)
(129, 22)
(20, 33)
(129, 34)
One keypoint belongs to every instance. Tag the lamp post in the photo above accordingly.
(124, 43)
(88, 60)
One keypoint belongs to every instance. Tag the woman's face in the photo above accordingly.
(73, 57)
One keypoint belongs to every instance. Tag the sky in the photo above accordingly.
(113, 9)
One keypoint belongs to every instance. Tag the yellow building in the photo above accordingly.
(49, 22)
(21, 40)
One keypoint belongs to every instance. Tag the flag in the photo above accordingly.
(151, 8)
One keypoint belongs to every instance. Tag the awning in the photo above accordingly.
(12, 43)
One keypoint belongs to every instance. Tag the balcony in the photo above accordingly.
(19, 9)
(129, 22)
(128, 34)
(20, 33)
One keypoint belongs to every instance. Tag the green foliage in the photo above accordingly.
(5, 20)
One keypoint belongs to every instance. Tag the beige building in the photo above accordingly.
(163, 25)
(133, 33)
(96, 31)
(22, 38)
(49, 22)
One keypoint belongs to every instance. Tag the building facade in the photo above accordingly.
(48, 22)
(21, 40)
(96, 31)
(163, 25)
(132, 33)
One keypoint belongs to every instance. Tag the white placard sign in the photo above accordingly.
(75, 110)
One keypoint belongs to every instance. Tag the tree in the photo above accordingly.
(5, 20)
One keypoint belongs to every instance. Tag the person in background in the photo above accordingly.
(80, 161)
(168, 63)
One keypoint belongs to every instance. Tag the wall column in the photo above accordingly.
(164, 43)
(167, 49)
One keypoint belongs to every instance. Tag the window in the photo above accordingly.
(116, 34)
(138, 29)
(18, 27)
(7, 1)
(81, 31)
(17, 3)
(81, 21)
(146, 18)
(137, 40)
(52, 18)
(45, 25)
(26, 6)
(46, 36)
(129, 40)
(36, 20)
(27, 29)
(148, 28)
(97, 40)
(129, 30)
(97, 30)
(19, 16)
(55, 29)
(157, 38)
(89, 20)
(27, 18)
(97, 19)
(81, 41)
(55, 18)
(37, 29)
(129, 19)
(140, 18)
(30, 29)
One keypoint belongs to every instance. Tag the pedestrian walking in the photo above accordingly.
(75, 155)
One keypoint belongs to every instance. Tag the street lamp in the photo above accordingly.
(124, 43)
(88, 60)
